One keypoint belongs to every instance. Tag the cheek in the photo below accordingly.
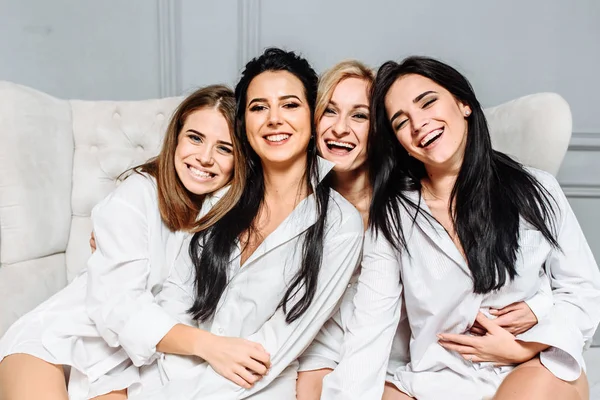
(404, 139)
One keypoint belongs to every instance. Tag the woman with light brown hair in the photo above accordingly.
(106, 323)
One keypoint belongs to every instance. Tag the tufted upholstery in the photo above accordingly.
(58, 158)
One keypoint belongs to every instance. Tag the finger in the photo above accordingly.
(488, 324)
(506, 320)
(477, 331)
(508, 308)
(466, 340)
(246, 375)
(261, 356)
(255, 366)
(235, 378)
(457, 347)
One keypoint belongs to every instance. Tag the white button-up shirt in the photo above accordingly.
(436, 289)
(249, 307)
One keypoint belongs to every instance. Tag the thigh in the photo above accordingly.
(310, 383)
(391, 392)
(116, 395)
(25, 377)
(532, 381)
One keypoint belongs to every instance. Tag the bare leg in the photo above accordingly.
(533, 381)
(25, 377)
(310, 384)
(116, 395)
(391, 392)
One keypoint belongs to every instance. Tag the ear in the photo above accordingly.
(465, 109)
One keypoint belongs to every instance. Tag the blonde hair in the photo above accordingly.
(333, 76)
(178, 207)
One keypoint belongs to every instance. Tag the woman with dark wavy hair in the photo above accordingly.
(272, 269)
(469, 230)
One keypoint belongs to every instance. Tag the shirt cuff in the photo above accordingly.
(143, 332)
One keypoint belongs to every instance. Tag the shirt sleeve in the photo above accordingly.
(575, 282)
(541, 302)
(285, 341)
(368, 339)
(119, 300)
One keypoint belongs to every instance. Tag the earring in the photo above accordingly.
(467, 113)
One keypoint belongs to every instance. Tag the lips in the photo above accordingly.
(200, 174)
(431, 137)
(277, 137)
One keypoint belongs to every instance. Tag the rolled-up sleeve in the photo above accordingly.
(119, 300)
(368, 339)
(575, 282)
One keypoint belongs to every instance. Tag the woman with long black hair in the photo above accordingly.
(469, 230)
(272, 270)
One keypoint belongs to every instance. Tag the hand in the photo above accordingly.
(497, 345)
(516, 318)
(241, 361)
(93, 242)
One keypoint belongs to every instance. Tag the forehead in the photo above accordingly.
(209, 121)
(351, 90)
(406, 88)
(275, 84)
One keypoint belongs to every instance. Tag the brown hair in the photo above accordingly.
(179, 207)
(330, 79)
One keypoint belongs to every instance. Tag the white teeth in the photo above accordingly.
(349, 146)
(201, 174)
(277, 138)
(430, 136)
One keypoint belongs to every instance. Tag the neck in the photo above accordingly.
(356, 188)
(440, 181)
(286, 183)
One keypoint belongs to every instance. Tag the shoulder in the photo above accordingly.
(342, 216)
(138, 191)
(546, 179)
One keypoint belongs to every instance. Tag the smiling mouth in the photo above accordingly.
(339, 147)
(277, 138)
(431, 137)
(202, 175)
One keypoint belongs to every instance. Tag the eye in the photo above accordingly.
(362, 116)
(429, 102)
(225, 149)
(257, 107)
(400, 125)
(291, 105)
(329, 111)
(195, 138)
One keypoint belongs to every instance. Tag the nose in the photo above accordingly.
(204, 156)
(340, 127)
(420, 122)
(274, 117)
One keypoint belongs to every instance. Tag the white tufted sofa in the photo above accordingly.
(58, 158)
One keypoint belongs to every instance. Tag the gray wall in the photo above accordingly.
(139, 49)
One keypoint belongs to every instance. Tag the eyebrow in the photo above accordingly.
(354, 106)
(202, 135)
(263, 100)
(415, 100)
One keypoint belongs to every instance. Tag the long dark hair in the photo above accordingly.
(211, 249)
(490, 194)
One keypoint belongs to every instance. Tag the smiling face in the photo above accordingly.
(277, 118)
(344, 127)
(428, 121)
(204, 153)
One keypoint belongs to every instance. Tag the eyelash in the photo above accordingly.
(195, 138)
(225, 149)
(425, 105)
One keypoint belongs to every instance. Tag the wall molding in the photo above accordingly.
(581, 191)
(249, 31)
(588, 141)
(169, 62)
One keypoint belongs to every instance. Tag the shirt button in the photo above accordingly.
(349, 285)
(221, 331)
